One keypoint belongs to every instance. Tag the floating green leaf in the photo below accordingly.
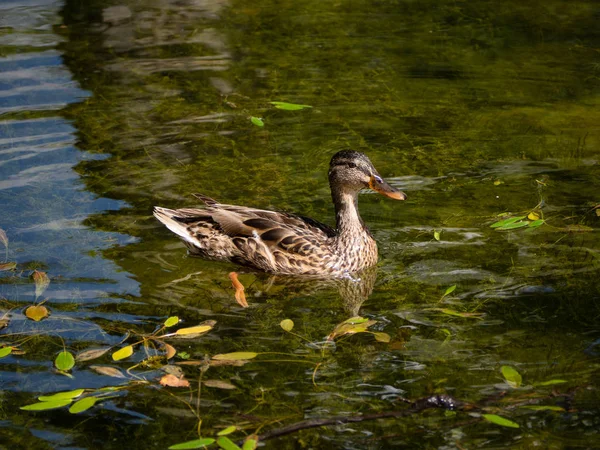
(505, 222)
(498, 420)
(287, 324)
(43, 406)
(512, 377)
(257, 121)
(83, 405)
(543, 408)
(64, 361)
(227, 444)
(197, 443)
(250, 443)
(123, 353)
(536, 223)
(514, 225)
(61, 395)
(227, 431)
(173, 320)
(5, 351)
(235, 356)
(289, 106)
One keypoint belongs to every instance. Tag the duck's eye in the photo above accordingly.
(378, 179)
(351, 165)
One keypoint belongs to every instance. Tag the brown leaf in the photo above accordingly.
(219, 384)
(36, 312)
(41, 282)
(93, 353)
(240, 297)
(108, 371)
(173, 381)
(3, 237)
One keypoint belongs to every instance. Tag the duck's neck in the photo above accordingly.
(348, 221)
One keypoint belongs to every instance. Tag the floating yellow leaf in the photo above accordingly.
(36, 312)
(173, 320)
(498, 182)
(123, 353)
(512, 377)
(235, 356)
(286, 324)
(197, 330)
(5, 351)
(382, 337)
(533, 216)
(41, 282)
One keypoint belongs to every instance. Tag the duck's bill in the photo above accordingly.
(381, 186)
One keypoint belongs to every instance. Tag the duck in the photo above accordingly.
(281, 243)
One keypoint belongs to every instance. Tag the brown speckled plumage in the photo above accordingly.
(284, 243)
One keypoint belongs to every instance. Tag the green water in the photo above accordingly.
(474, 109)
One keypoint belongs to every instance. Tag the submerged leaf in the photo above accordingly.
(108, 371)
(123, 353)
(450, 290)
(351, 326)
(5, 351)
(512, 377)
(464, 315)
(61, 395)
(551, 382)
(83, 405)
(286, 324)
(219, 384)
(3, 237)
(173, 320)
(257, 121)
(64, 361)
(36, 312)
(543, 408)
(41, 282)
(93, 353)
(196, 443)
(43, 406)
(235, 356)
(498, 420)
(8, 266)
(289, 106)
(382, 337)
(578, 228)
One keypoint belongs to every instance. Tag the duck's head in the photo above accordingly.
(353, 171)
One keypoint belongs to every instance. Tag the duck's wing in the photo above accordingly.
(268, 240)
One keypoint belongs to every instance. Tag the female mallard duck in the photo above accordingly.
(287, 244)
